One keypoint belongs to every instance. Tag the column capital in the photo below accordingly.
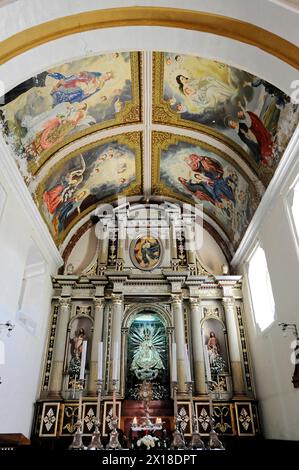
(228, 302)
(117, 298)
(195, 301)
(99, 301)
(125, 330)
(65, 302)
(170, 330)
(176, 299)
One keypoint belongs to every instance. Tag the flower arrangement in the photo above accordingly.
(148, 441)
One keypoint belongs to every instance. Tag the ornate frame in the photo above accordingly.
(132, 255)
(134, 141)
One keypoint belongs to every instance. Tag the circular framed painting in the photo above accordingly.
(146, 252)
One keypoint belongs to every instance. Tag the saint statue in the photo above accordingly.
(217, 363)
(76, 351)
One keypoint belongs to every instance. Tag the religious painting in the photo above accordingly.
(80, 331)
(79, 181)
(147, 356)
(194, 172)
(215, 348)
(146, 252)
(76, 98)
(251, 114)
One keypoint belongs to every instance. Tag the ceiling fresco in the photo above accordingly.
(68, 101)
(95, 128)
(98, 172)
(252, 116)
(194, 172)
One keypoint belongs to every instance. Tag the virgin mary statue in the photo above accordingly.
(147, 361)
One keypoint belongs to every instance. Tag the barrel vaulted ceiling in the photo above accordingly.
(142, 124)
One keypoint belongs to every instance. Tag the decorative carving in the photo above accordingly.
(195, 302)
(83, 310)
(99, 302)
(176, 299)
(213, 312)
(244, 349)
(50, 349)
(65, 302)
(117, 298)
(119, 264)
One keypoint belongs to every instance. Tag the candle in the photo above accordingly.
(115, 361)
(83, 360)
(188, 372)
(174, 371)
(100, 361)
(135, 421)
(207, 363)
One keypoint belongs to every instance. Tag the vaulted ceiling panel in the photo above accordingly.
(250, 115)
(200, 131)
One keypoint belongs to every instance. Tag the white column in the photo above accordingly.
(99, 304)
(117, 306)
(197, 347)
(59, 346)
(179, 328)
(121, 239)
(173, 243)
(190, 245)
(104, 246)
(234, 345)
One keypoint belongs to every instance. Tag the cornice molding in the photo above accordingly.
(150, 16)
(274, 189)
(20, 190)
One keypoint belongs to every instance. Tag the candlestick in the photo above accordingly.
(187, 363)
(100, 383)
(95, 443)
(83, 360)
(115, 362)
(77, 439)
(100, 361)
(114, 400)
(207, 363)
(174, 370)
(80, 406)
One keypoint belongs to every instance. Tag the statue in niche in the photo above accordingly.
(76, 345)
(147, 360)
(217, 362)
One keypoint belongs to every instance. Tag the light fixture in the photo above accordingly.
(7, 325)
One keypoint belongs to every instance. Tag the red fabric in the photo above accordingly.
(52, 198)
(195, 161)
(262, 135)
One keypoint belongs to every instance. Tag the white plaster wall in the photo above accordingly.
(269, 14)
(270, 350)
(24, 349)
(84, 251)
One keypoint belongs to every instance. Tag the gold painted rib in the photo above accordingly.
(150, 16)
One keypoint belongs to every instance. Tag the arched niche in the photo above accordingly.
(146, 350)
(80, 328)
(216, 353)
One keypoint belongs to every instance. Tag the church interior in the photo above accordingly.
(149, 224)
